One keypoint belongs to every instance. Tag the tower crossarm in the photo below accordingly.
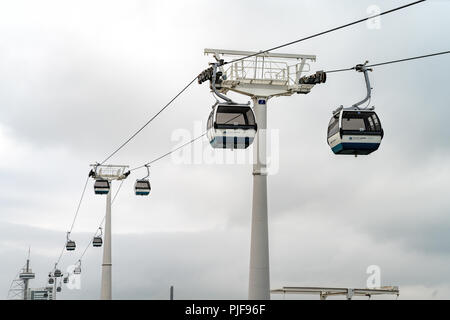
(263, 73)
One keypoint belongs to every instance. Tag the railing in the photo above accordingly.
(262, 69)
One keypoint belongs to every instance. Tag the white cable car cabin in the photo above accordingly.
(97, 242)
(231, 126)
(142, 187)
(101, 186)
(355, 132)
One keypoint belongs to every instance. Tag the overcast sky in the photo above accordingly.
(77, 78)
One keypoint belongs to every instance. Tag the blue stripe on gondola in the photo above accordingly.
(101, 192)
(139, 193)
(355, 146)
(337, 148)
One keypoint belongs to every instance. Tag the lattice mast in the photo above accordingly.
(19, 289)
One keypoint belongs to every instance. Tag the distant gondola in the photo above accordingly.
(70, 245)
(142, 187)
(77, 269)
(97, 241)
(101, 186)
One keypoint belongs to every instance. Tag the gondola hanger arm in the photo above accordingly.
(362, 68)
(213, 83)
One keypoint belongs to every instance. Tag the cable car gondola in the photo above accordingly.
(101, 186)
(77, 269)
(57, 273)
(231, 126)
(353, 130)
(70, 244)
(142, 186)
(51, 281)
(98, 241)
(66, 280)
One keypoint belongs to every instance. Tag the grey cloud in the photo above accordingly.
(73, 86)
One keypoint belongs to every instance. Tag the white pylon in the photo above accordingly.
(110, 173)
(259, 281)
(262, 76)
(106, 293)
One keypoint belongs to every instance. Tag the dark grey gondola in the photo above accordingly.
(70, 245)
(97, 242)
(57, 273)
(101, 186)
